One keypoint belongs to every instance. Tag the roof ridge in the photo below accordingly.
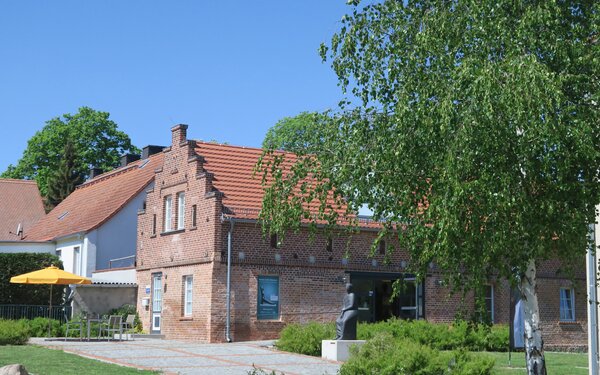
(249, 148)
(115, 172)
(105, 176)
(17, 180)
(228, 145)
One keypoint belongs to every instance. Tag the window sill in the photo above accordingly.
(193, 228)
(568, 322)
(186, 319)
(152, 235)
(172, 232)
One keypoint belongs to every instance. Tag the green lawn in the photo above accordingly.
(556, 363)
(43, 361)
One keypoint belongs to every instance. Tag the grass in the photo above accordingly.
(556, 363)
(43, 361)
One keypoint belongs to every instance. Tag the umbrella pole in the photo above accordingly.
(50, 312)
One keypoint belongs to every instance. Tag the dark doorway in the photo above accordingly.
(374, 292)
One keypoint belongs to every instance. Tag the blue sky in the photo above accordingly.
(228, 69)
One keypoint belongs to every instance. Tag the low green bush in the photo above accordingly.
(385, 355)
(13, 332)
(38, 327)
(127, 310)
(305, 339)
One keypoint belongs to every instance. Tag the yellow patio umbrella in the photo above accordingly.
(50, 275)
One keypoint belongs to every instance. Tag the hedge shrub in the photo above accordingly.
(385, 355)
(127, 310)
(13, 332)
(38, 327)
(306, 339)
(13, 264)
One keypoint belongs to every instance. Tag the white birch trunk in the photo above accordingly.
(534, 345)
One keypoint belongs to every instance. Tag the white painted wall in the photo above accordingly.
(26, 247)
(117, 237)
(116, 276)
(65, 247)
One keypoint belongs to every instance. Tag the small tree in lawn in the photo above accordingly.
(65, 179)
(472, 128)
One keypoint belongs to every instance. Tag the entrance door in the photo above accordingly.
(374, 292)
(156, 302)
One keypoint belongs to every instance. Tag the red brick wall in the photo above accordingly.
(189, 251)
(311, 278)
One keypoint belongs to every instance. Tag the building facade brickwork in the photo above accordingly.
(309, 273)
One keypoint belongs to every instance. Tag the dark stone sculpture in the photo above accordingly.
(345, 325)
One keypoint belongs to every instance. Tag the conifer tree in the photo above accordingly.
(65, 179)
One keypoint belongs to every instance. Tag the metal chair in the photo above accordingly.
(112, 326)
(73, 325)
(128, 324)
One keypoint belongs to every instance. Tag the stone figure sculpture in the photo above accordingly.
(346, 323)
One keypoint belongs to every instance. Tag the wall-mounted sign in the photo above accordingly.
(268, 297)
(147, 289)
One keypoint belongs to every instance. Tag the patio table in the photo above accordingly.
(91, 321)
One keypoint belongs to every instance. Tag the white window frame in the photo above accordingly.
(188, 288)
(491, 299)
(181, 210)
(168, 213)
(414, 308)
(567, 314)
(77, 260)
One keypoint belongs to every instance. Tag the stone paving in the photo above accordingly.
(178, 357)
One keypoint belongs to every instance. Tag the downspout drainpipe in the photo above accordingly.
(228, 296)
(592, 305)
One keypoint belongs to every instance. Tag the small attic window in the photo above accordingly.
(63, 215)
(144, 163)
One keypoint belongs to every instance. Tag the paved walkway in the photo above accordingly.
(178, 357)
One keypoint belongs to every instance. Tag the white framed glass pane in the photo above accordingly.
(157, 294)
(567, 309)
(168, 213)
(77, 260)
(189, 282)
(489, 301)
(180, 210)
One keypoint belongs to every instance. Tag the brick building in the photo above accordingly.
(203, 206)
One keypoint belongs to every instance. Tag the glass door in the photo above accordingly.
(156, 302)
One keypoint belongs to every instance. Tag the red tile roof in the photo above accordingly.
(20, 203)
(233, 170)
(97, 200)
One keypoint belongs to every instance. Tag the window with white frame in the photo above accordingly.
(567, 305)
(188, 283)
(411, 299)
(180, 210)
(489, 302)
(168, 213)
(77, 260)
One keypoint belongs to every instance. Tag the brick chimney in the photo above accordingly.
(179, 135)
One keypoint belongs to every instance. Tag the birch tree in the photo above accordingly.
(471, 127)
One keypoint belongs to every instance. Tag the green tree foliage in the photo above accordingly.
(19, 263)
(471, 128)
(95, 137)
(65, 179)
(300, 133)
